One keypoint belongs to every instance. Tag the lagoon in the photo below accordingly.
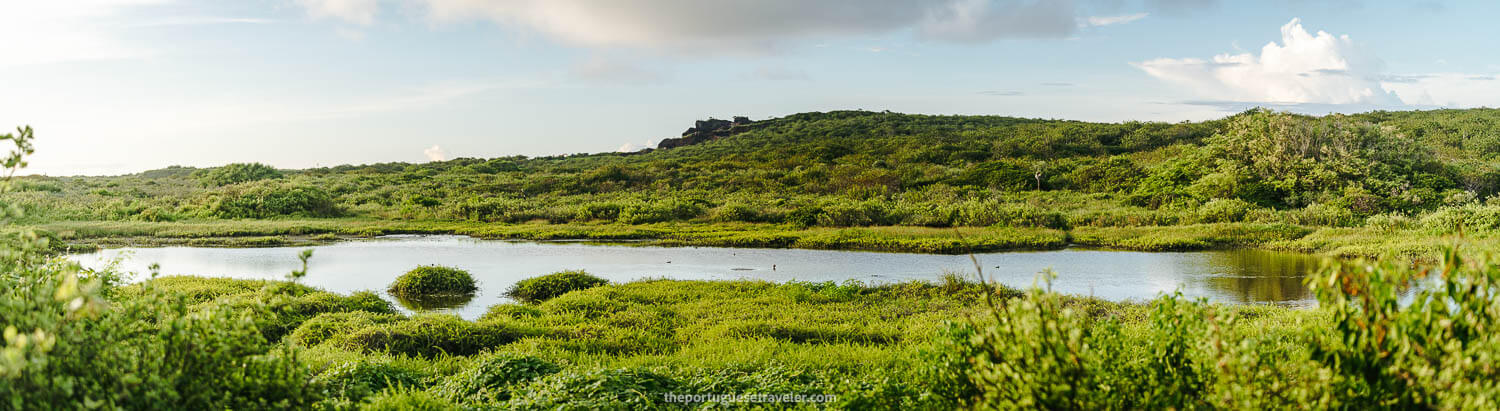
(1228, 276)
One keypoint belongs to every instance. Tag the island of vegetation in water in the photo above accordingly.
(1403, 186)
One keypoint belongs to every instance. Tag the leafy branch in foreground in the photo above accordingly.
(1395, 336)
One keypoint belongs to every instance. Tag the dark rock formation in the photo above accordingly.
(711, 129)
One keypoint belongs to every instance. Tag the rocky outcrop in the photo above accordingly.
(707, 130)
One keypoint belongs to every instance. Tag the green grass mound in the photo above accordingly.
(432, 280)
(510, 312)
(358, 380)
(495, 379)
(278, 308)
(329, 325)
(552, 285)
(433, 335)
(407, 400)
(599, 390)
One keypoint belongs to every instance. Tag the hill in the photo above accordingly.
(857, 168)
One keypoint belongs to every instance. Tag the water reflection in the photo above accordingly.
(1259, 276)
(1228, 276)
(430, 303)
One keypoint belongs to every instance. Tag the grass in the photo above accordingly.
(250, 233)
(605, 346)
(432, 280)
(1370, 241)
(1187, 237)
(546, 287)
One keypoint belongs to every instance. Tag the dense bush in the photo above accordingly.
(510, 311)
(432, 335)
(431, 280)
(852, 169)
(357, 380)
(70, 340)
(407, 400)
(546, 287)
(1386, 347)
(269, 199)
(237, 173)
(494, 379)
(329, 325)
(599, 389)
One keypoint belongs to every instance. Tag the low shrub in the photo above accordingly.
(494, 378)
(552, 285)
(278, 312)
(360, 379)
(328, 325)
(431, 280)
(510, 312)
(433, 335)
(813, 335)
(1391, 221)
(266, 199)
(237, 173)
(599, 389)
(1222, 210)
(407, 400)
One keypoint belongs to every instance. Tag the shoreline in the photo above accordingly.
(86, 236)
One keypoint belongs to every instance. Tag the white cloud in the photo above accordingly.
(1304, 68)
(736, 25)
(977, 21)
(633, 147)
(353, 11)
(435, 153)
(604, 70)
(43, 32)
(1099, 21)
(1449, 90)
(774, 73)
(200, 21)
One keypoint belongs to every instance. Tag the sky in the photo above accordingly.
(123, 86)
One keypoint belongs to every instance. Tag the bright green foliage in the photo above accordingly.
(546, 287)
(510, 311)
(407, 400)
(357, 380)
(277, 307)
(1434, 350)
(1281, 159)
(431, 280)
(67, 343)
(432, 335)
(494, 378)
(1385, 335)
(814, 180)
(237, 173)
(328, 325)
(268, 199)
(601, 389)
(853, 168)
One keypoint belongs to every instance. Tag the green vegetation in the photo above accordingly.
(237, 173)
(856, 180)
(1370, 344)
(546, 287)
(432, 280)
(944, 345)
(1385, 334)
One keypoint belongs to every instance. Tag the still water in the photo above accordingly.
(1236, 276)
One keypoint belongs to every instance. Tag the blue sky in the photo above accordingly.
(119, 86)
